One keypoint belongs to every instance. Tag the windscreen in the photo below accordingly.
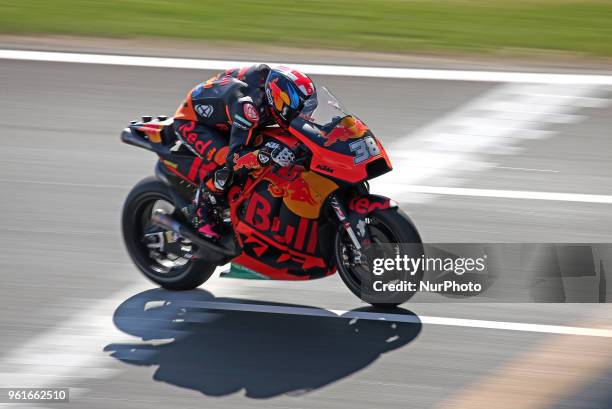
(325, 121)
(323, 109)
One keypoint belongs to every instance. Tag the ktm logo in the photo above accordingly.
(325, 168)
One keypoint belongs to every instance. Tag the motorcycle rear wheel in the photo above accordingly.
(172, 268)
(394, 227)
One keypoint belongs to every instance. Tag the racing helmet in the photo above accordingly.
(289, 93)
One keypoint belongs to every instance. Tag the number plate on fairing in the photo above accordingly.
(364, 149)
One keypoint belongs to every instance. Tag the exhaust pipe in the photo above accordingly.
(187, 232)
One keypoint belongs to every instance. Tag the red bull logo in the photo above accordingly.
(290, 184)
(300, 190)
(348, 128)
(248, 161)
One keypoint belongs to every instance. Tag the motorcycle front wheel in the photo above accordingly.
(390, 230)
(163, 257)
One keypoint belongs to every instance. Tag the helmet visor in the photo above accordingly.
(310, 105)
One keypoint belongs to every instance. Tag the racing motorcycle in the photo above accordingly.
(303, 220)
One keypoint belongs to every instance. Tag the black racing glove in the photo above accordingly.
(279, 154)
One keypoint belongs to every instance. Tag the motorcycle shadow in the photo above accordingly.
(220, 352)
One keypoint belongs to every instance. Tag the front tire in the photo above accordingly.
(178, 271)
(395, 228)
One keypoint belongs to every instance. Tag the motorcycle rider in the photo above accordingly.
(219, 122)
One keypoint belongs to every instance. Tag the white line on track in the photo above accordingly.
(509, 194)
(463, 143)
(340, 70)
(528, 169)
(377, 316)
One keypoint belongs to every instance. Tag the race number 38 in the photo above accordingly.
(364, 149)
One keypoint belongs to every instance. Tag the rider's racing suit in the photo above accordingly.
(218, 122)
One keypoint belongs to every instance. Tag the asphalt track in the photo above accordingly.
(76, 313)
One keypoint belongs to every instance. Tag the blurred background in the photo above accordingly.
(480, 155)
(530, 27)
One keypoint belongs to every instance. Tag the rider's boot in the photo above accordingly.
(206, 220)
(203, 214)
(205, 217)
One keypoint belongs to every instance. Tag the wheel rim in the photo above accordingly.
(380, 233)
(164, 253)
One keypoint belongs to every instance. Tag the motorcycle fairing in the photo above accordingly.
(182, 162)
(333, 149)
(189, 168)
(155, 131)
(303, 192)
(275, 241)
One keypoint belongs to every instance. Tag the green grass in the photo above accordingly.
(577, 26)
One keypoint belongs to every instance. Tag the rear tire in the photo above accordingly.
(403, 231)
(141, 199)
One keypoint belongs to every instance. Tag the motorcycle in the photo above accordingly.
(300, 221)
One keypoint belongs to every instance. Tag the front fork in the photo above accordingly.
(343, 218)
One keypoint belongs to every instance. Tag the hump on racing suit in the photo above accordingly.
(232, 103)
